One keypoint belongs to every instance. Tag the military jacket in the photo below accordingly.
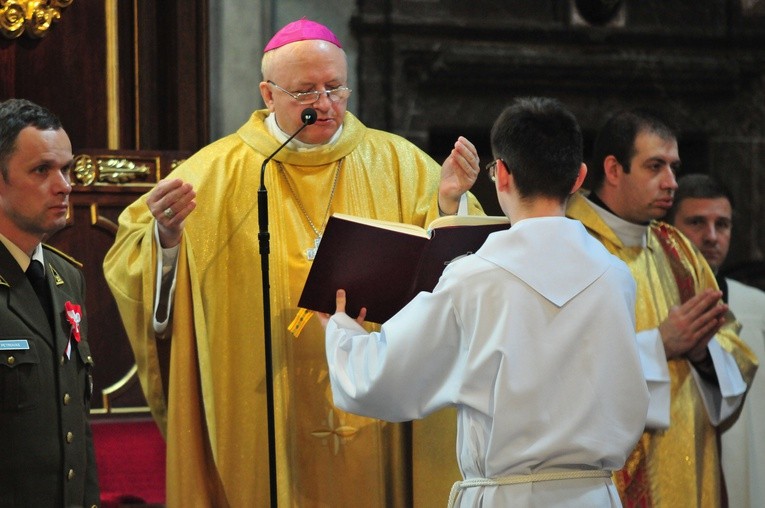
(47, 456)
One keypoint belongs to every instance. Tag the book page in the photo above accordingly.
(410, 229)
(467, 220)
(440, 222)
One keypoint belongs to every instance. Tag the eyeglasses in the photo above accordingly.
(491, 168)
(334, 94)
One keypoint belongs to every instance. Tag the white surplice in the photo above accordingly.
(743, 445)
(532, 338)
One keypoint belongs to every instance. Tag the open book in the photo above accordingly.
(383, 265)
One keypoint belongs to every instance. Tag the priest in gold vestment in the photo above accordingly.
(696, 367)
(199, 229)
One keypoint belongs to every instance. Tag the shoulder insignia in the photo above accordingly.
(63, 255)
(56, 276)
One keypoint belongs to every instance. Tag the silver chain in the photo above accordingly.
(300, 203)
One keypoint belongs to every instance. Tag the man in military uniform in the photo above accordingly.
(45, 363)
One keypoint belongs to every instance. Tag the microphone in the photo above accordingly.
(308, 117)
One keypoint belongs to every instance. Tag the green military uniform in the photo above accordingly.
(47, 456)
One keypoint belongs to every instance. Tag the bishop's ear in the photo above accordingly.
(268, 95)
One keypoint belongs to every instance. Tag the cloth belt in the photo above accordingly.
(524, 478)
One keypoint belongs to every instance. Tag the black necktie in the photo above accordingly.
(36, 275)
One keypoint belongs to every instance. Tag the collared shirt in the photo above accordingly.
(21, 257)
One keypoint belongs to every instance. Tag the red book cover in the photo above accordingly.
(383, 265)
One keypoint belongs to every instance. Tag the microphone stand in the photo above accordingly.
(308, 116)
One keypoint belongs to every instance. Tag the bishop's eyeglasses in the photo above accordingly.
(306, 98)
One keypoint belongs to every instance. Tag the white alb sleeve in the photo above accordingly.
(656, 373)
(723, 399)
(165, 287)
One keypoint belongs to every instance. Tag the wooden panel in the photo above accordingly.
(116, 179)
(160, 69)
(157, 55)
(90, 232)
(64, 71)
(172, 81)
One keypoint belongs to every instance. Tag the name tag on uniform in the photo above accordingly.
(15, 344)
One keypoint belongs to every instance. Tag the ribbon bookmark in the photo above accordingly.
(301, 319)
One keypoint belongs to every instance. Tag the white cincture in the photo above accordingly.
(523, 478)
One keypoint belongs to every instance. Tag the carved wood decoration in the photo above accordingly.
(33, 17)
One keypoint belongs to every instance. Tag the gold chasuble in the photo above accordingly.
(214, 418)
(678, 466)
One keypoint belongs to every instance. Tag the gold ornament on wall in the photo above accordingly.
(111, 170)
(31, 16)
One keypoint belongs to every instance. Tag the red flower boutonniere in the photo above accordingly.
(74, 316)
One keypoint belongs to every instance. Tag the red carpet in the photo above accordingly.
(130, 454)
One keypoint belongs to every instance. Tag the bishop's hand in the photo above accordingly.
(458, 174)
(170, 202)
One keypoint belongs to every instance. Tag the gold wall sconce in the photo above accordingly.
(31, 16)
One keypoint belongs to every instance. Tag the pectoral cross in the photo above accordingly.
(310, 252)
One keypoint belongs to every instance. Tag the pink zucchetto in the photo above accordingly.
(302, 30)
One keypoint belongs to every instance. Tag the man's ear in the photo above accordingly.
(613, 170)
(503, 176)
(579, 179)
(268, 95)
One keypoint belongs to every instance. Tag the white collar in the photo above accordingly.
(296, 145)
(631, 234)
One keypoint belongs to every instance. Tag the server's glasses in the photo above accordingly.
(491, 168)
